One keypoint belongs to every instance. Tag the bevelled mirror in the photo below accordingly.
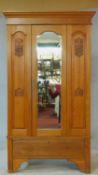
(49, 63)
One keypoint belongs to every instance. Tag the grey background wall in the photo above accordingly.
(46, 5)
(3, 83)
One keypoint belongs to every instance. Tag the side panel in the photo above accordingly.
(19, 80)
(78, 71)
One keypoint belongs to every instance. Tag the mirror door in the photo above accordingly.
(48, 80)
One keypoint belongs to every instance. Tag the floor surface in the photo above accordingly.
(43, 167)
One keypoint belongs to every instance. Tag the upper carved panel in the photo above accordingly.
(79, 41)
(19, 47)
(18, 43)
(78, 46)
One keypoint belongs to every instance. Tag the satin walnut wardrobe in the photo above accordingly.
(33, 73)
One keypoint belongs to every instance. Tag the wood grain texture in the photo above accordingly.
(42, 147)
(77, 78)
(20, 76)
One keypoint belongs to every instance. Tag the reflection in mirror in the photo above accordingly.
(49, 80)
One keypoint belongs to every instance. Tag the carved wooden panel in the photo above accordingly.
(19, 92)
(21, 61)
(79, 92)
(78, 46)
(18, 41)
(19, 46)
(78, 77)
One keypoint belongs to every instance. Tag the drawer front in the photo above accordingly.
(48, 148)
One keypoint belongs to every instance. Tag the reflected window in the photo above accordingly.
(49, 61)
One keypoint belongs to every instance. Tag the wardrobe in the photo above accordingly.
(49, 75)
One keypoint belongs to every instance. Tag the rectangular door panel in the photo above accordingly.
(77, 71)
(20, 81)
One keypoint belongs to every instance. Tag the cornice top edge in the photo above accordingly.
(47, 14)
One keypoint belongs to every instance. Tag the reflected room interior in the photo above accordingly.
(49, 61)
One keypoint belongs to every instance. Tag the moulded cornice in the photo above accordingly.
(72, 17)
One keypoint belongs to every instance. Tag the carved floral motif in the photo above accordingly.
(19, 92)
(19, 47)
(78, 47)
(79, 92)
